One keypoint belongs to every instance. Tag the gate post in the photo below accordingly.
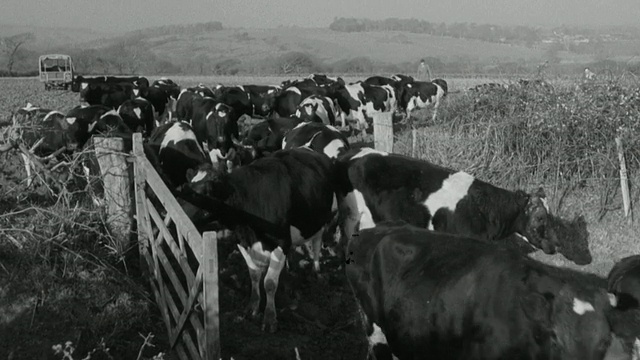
(210, 295)
(111, 156)
(383, 131)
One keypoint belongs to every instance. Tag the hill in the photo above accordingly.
(208, 48)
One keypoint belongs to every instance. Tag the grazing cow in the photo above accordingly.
(174, 150)
(319, 109)
(422, 94)
(403, 78)
(292, 190)
(79, 83)
(138, 115)
(359, 101)
(442, 296)
(377, 186)
(319, 137)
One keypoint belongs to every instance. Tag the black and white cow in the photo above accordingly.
(184, 104)
(81, 121)
(173, 150)
(378, 186)
(159, 98)
(251, 100)
(319, 137)
(319, 108)
(173, 91)
(291, 190)
(43, 131)
(107, 94)
(359, 101)
(624, 282)
(80, 82)
(266, 136)
(424, 293)
(138, 115)
(323, 80)
(423, 94)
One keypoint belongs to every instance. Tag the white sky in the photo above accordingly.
(121, 15)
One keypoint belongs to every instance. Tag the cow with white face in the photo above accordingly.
(318, 108)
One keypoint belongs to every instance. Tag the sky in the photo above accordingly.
(125, 15)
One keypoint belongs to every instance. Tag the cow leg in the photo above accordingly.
(316, 244)
(255, 273)
(27, 167)
(378, 348)
(276, 264)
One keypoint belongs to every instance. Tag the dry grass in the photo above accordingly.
(530, 146)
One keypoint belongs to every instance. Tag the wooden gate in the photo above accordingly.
(181, 265)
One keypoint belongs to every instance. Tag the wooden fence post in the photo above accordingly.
(114, 168)
(624, 181)
(210, 295)
(383, 131)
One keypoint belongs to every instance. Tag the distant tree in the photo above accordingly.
(10, 47)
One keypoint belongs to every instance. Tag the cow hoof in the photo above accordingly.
(270, 326)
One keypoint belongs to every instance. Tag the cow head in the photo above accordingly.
(572, 320)
(308, 112)
(534, 221)
(222, 129)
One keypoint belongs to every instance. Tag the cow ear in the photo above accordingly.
(537, 309)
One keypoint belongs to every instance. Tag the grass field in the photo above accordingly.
(61, 281)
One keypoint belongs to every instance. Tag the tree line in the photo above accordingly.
(486, 32)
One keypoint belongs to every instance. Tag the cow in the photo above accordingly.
(173, 149)
(320, 109)
(444, 296)
(79, 83)
(266, 136)
(81, 120)
(251, 100)
(202, 90)
(159, 98)
(107, 94)
(423, 94)
(287, 101)
(375, 186)
(138, 115)
(172, 90)
(359, 101)
(221, 135)
(292, 191)
(322, 79)
(319, 137)
(42, 131)
(184, 104)
(623, 281)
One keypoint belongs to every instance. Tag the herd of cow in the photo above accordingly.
(437, 259)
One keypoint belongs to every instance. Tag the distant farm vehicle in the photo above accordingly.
(56, 71)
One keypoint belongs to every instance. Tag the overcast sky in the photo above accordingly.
(118, 15)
